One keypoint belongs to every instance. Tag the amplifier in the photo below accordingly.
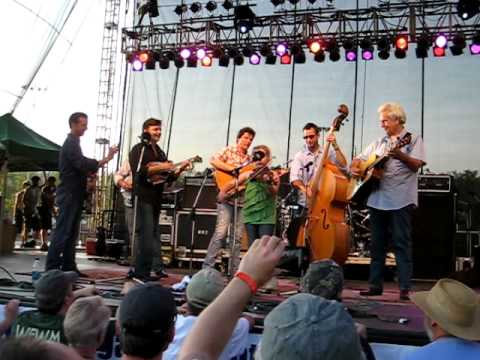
(204, 227)
(208, 197)
(435, 183)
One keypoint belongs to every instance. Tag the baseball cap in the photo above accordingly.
(147, 310)
(52, 287)
(323, 278)
(307, 327)
(204, 287)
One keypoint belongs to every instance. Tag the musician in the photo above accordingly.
(229, 159)
(74, 169)
(149, 198)
(392, 202)
(305, 161)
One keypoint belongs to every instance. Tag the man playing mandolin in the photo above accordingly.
(149, 195)
(392, 201)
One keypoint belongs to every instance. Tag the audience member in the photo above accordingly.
(18, 208)
(30, 348)
(147, 322)
(452, 322)
(47, 209)
(204, 287)
(85, 325)
(31, 201)
(307, 327)
(10, 313)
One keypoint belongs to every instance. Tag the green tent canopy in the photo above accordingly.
(25, 149)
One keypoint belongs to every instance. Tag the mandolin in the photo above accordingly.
(165, 176)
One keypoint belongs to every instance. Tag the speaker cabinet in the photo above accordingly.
(204, 227)
(433, 235)
(208, 197)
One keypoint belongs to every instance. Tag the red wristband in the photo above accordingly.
(247, 279)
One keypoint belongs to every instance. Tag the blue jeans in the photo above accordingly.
(256, 231)
(397, 225)
(61, 253)
(224, 218)
(147, 242)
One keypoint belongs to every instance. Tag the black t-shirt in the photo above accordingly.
(145, 190)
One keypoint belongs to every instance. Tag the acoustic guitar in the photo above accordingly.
(371, 172)
(223, 179)
(166, 176)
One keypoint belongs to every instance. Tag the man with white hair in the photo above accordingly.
(86, 324)
(394, 197)
(452, 322)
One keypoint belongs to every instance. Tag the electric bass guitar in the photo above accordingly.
(167, 175)
(371, 172)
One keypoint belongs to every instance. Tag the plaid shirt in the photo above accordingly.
(231, 155)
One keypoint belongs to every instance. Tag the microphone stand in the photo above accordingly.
(193, 219)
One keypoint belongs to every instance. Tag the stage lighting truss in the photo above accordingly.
(317, 32)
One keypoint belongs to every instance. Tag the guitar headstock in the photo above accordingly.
(407, 139)
(338, 121)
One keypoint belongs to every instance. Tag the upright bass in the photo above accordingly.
(325, 232)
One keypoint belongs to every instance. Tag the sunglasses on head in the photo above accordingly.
(309, 137)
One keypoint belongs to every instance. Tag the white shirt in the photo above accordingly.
(236, 346)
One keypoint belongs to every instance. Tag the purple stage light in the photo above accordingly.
(367, 55)
(351, 55)
(281, 49)
(475, 49)
(137, 65)
(441, 41)
(254, 59)
(201, 53)
(185, 53)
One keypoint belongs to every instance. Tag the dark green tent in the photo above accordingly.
(25, 149)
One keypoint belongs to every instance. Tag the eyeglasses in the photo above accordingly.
(309, 137)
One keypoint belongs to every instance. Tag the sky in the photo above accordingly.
(68, 82)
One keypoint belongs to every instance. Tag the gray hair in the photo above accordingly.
(86, 322)
(394, 111)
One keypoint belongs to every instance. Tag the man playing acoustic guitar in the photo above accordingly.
(149, 196)
(392, 201)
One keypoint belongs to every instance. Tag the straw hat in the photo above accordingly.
(454, 306)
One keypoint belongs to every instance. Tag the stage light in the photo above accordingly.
(195, 7)
(266, 50)
(366, 43)
(332, 47)
(270, 59)
(475, 45)
(248, 50)
(348, 44)
(180, 9)
(244, 18)
(217, 52)
(367, 54)
(137, 65)
(143, 56)
(314, 46)
(423, 44)
(211, 6)
(467, 9)
(232, 52)
(281, 49)
(334, 56)
(401, 46)
(192, 61)
(300, 58)
(285, 59)
(150, 64)
(319, 56)
(179, 62)
(228, 5)
(312, 1)
(458, 44)
(164, 62)
(238, 60)
(201, 53)
(207, 61)
(438, 51)
(170, 55)
(383, 47)
(277, 2)
(224, 60)
(296, 49)
(185, 53)
(293, 2)
(351, 55)
(441, 41)
(254, 59)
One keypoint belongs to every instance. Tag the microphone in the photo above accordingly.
(207, 172)
(307, 166)
(145, 138)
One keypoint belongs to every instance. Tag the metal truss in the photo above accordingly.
(297, 26)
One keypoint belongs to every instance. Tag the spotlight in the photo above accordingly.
(332, 47)
(367, 54)
(201, 53)
(180, 9)
(266, 50)
(277, 2)
(192, 61)
(314, 46)
(224, 60)
(293, 2)
(164, 62)
(319, 56)
(312, 1)
(211, 6)
(232, 52)
(254, 59)
(423, 44)
(438, 51)
(475, 45)
(441, 41)
(383, 46)
(334, 56)
(195, 7)
(179, 62)
(238, 60)
(467, 9)
(248, 50)
(137, 65)
(143, 56)
(351, 55)
(244, 18)
(285, 59)
(458, 44)
(348, 44)
(281, 49)
(207, 61)
(296, 49)
(300, 58)
(401, 46)
(150, 64)
(185, 53)
(228, 5)
(366, 43)
(270, 59)
(217, 52)
(170, 55)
